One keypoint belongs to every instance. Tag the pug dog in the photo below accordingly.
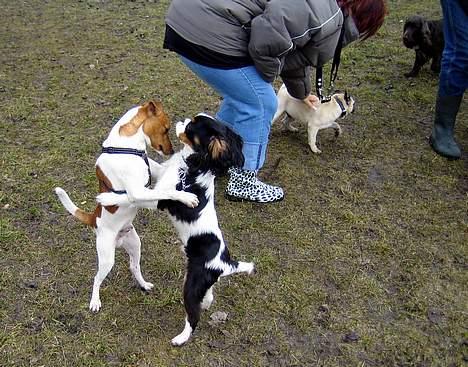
(325, 115)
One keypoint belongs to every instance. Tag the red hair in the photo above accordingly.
(368, 15)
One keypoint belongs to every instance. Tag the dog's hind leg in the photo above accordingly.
(233, 267)
(105, 245)
(198, 282)
(132, 244)
(337, 128)
(287, 124)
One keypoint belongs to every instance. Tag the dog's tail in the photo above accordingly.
(81, 215)
(110, 198)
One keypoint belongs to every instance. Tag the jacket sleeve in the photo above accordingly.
(267, 46)
(296, 73)
(297, 81)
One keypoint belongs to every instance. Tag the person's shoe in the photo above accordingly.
(441, 140)
(244, 185)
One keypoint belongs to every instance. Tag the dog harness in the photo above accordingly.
(140, 153)
(342, 107)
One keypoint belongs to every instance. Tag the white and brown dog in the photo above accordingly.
(124, 168)
(210, 149)
(324, 116)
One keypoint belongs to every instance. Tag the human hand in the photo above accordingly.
(312, 101)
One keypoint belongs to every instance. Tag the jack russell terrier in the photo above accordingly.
(325, 115)
(210, 149)
(124, 169)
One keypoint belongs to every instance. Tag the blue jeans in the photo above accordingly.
(453, 79)
(248, 106)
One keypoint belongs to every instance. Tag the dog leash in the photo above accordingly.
(334, 69)
(139, 153)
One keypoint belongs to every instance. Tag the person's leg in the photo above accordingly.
(453, 79)
(248, 106)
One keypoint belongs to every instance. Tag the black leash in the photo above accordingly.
(140, 153)
(334, 69)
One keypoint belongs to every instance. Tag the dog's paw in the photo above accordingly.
(207, 301)
(252, 269)
(146, 286)
(315, 150)
(411, 74)
(95, 305)
(180, 339)
(189, 199)
(338, 132)
(248, 268)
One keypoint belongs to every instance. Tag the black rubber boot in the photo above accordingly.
(441, 139)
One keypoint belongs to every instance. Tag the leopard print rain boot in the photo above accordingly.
(244, 185)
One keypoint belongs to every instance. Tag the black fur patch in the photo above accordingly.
(181, 211)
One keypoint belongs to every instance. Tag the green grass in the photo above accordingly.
(363, 264)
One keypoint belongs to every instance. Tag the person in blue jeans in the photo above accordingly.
(453, 79)
(239, 47)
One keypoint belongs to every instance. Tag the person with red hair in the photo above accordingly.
(239, 47)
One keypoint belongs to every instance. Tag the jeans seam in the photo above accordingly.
(260, 147)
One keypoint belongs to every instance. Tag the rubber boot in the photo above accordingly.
(244, 185)
(441, 140)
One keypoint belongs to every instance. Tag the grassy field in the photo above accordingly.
(363, 264)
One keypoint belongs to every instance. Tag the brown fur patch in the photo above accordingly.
(217, 147)
(156, 125)
(104, 186)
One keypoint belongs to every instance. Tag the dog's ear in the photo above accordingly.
(131, 127)
(153, 108)
(225, 152)
(426, 33)
(217, 147)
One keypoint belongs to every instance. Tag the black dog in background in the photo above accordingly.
(426, 38)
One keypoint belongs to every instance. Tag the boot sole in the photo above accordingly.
(239, 200)
(449, 157)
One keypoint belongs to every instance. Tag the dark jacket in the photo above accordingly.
(283, 37)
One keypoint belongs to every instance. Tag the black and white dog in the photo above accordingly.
(210, 149)
(426, 38)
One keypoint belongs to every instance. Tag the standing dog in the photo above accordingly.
(124, 168)
(426, 38)
(210, 149)
(324, 116)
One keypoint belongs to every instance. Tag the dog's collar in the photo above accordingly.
(342, 107)
(140, 153)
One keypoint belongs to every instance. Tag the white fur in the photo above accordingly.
(324, 116)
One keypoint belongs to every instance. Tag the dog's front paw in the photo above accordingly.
(95, 305)
(189, 199)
